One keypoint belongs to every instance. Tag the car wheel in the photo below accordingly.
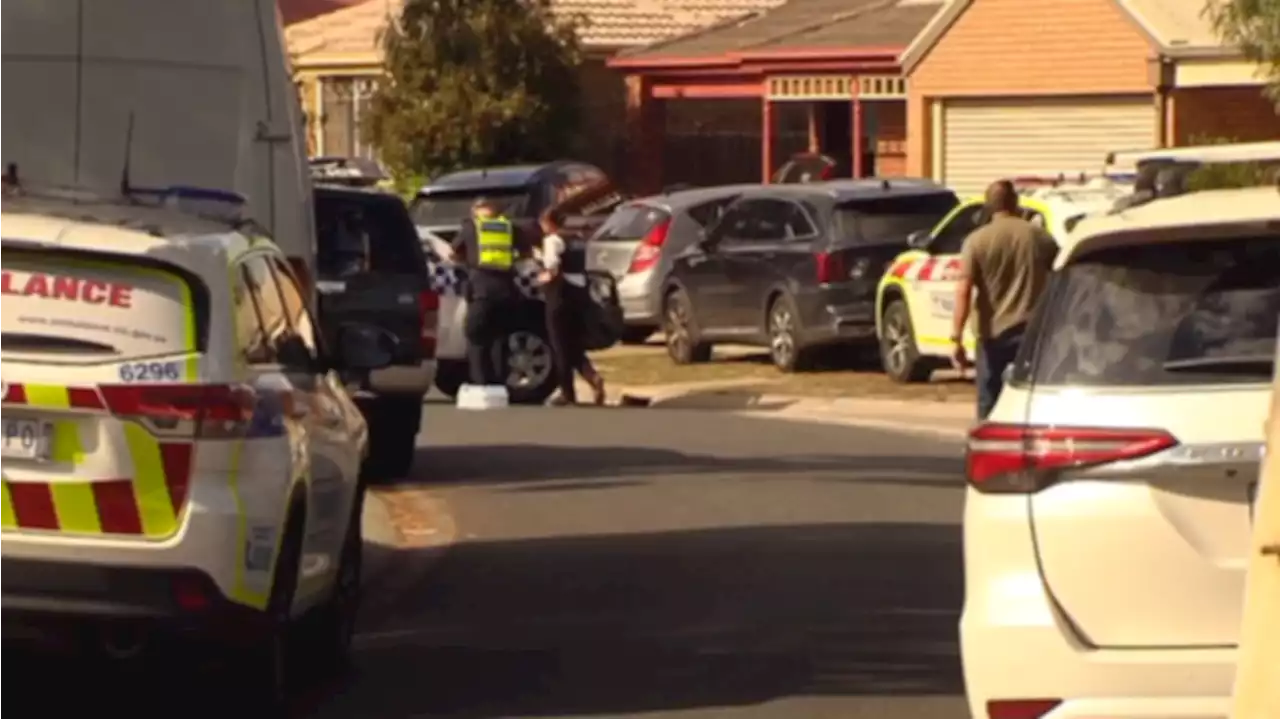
(637, 335)
(335, 622)
(450, 376)
(684, 345)
(899, 354)
(531, 376)
(268, 666)
(785, 348)
(393, 435)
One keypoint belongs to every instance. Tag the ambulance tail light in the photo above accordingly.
(199, 411)
(429, 309)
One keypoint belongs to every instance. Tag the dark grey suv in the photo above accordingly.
(794, 267)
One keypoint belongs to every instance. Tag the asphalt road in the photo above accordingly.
(639, 562)
(642, 562)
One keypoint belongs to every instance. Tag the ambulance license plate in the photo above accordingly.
(27, 439)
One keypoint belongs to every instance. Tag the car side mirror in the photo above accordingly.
(364, 347)
(919, 239)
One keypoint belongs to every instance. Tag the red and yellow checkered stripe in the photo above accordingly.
(148, 504)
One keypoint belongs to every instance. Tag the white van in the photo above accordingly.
(181, 92)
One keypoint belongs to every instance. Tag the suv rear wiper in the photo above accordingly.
(25, 341)
(1224, 363)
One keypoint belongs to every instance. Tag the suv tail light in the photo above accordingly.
(1021, 708)
(830, 267)
(650, 248)
(204, 411)
(429, 309)
(1021, 459)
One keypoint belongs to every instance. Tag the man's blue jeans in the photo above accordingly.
(994, 356)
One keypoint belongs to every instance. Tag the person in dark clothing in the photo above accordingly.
(489, 246)
(564, 290)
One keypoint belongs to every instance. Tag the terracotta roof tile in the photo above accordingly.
(803, 24)
(295, 11)
(628, 23)
(604, 24)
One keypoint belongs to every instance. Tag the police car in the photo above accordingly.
(179, 457)
(916, 296)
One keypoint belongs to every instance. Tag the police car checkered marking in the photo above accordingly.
(448, 278)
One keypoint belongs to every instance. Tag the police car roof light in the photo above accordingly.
(210, 203)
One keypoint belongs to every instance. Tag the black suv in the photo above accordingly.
(794, 267)
(371, 269)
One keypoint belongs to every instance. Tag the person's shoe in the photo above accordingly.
(561, 401)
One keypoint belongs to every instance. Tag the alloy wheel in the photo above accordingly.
(529, 360)
(677, 330)
(897, 339)
(782, 343)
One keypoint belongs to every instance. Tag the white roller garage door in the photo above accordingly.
(986, 139)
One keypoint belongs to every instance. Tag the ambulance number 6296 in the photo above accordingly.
(150, 372)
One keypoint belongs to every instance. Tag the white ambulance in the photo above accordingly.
(180, 458)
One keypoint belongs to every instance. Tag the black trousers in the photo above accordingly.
(486, 329)
(566, 307)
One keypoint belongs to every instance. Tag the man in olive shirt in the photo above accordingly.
(1005, 267)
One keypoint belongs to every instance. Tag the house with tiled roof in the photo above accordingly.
(1001, 88)
(819, 76)
(337, 58)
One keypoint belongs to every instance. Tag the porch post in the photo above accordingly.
(645, 137)
(859, 143)
(766, 139)
(815, 134)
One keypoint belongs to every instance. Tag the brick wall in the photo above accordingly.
(1234, 113)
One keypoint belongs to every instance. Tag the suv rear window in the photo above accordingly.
(451, 208)
(85, 309)
(1162, 314)
(631, 222)
(359, 233)
(890, 219)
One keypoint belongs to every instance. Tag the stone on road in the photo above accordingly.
(615, 563)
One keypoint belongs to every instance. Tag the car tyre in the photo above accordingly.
(530, 362)
(637, 335)
(269, 664)
(785, 345)
(899, 355)
(393, 435)
(450, 376)
(333, 628)
(684, 343)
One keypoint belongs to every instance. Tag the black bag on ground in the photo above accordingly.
(603, 324)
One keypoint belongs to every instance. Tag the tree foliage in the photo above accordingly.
(1254, 27)
(474, 82)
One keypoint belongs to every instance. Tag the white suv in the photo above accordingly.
(1107, 516)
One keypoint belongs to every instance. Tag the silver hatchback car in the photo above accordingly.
(639, 240)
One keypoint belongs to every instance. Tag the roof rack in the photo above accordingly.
(1197, 154)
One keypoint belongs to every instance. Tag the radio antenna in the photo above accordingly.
(125, 188)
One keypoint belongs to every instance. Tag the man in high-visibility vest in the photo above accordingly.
(488, 245)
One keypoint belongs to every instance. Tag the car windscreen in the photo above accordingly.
(879, 220)
(630, 222)
(1163, 314)
(71, 307)
(451, 207)
(357, 233)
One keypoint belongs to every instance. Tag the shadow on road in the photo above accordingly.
(612, 625)
(599, 467)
